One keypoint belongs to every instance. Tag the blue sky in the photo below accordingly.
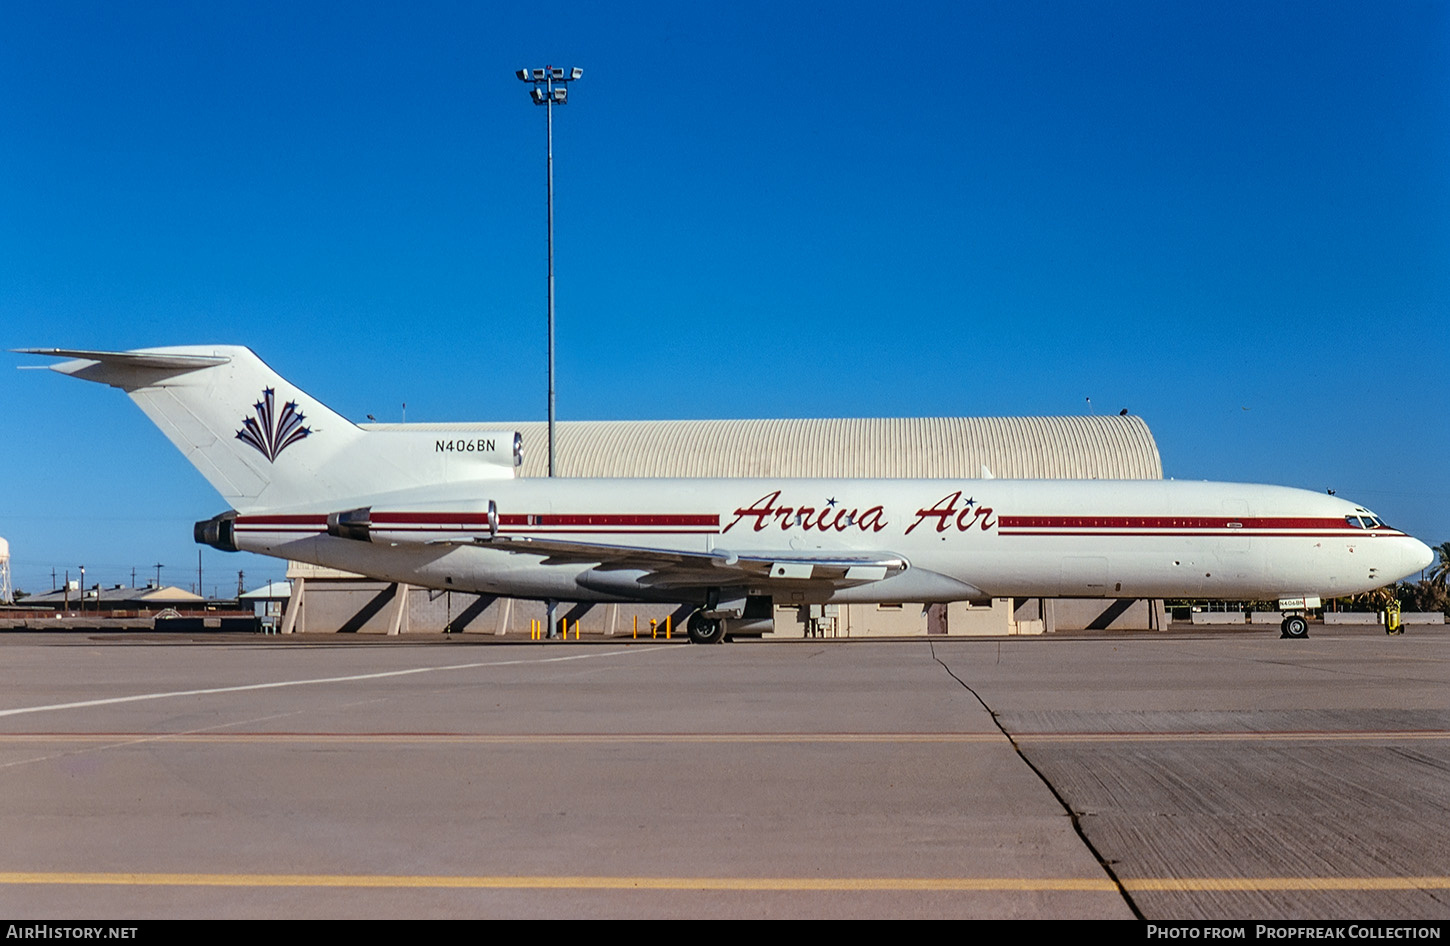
(1230, 218)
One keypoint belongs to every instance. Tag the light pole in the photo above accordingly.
(550, 88)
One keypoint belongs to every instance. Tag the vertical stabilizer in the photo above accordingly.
(259, 440)
(264, 443)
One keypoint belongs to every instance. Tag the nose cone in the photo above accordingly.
(1421, 554)
(1405, 559)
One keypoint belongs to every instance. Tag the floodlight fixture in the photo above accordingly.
(551, 83)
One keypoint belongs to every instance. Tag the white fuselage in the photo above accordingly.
(444, 508)
(962, 539)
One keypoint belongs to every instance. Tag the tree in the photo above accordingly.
(1440, 573)
(1424, 596)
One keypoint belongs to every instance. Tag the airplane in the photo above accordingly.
(443, 507)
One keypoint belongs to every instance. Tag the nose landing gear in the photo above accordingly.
(1294, 626)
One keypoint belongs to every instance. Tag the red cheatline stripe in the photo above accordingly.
(1205, 534)
(571, 530)
(551, 519)
(468, 521)
(1170, 522)
(443, 518)
(607, 531)
(597, 519)
(308, 520)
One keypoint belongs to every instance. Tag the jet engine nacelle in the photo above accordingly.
(219, 532)
(353, 524)
(367, 524)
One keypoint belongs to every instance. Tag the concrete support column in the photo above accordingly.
(396, 625)
(293, 617)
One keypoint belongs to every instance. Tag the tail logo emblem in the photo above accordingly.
(270, 432)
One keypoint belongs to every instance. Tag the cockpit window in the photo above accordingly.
(1353, 522)
(1365, 522)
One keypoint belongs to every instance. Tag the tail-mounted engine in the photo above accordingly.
(356, 524)
(220, 532)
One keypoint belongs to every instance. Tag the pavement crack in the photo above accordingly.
(1103, 862)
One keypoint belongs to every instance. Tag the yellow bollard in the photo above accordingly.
(576, 630)
(669, 622)
(635, 635)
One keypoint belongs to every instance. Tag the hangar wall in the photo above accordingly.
(1088, 447)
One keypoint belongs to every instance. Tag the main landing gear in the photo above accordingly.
(705, 630)
(1294, 626)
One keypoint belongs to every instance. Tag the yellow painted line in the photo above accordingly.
(903, 884)
(282, 738)
(1365, 736)
(222, 738)
(497, 738)
(1259, 884)
(567, 883)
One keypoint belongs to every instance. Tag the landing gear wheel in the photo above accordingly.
(1294, 626)
(705, 630)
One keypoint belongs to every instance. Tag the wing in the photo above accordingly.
(721, 567)
(660, 567)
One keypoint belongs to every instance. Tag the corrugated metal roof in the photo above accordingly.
(1087, 447)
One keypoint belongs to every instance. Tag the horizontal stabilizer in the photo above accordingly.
(263, 443)
(139, 359)
(127, 370)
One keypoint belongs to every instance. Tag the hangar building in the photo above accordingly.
(1087, 447)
